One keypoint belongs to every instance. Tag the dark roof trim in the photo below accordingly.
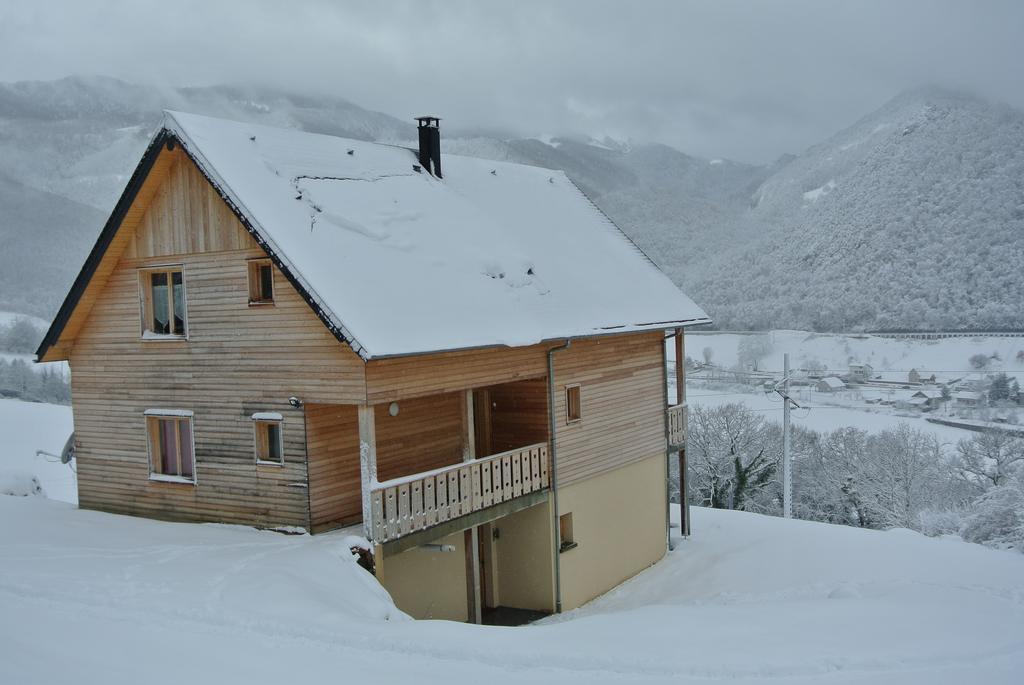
(131, 191)
(103, 242)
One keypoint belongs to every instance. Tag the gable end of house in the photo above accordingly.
(50, 350)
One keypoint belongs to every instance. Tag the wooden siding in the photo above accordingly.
(238, 360)
(426, 434)
(332, 442)
(623, 404)
(432, 374)
(519, 414)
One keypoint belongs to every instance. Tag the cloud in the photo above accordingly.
(739, 79)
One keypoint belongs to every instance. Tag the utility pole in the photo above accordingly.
(787, 476)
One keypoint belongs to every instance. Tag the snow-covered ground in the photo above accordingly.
(822, 417)
(29, 426)
(892, 356)
(98, 598)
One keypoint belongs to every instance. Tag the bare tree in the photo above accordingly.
(990, 459)
(733, 456)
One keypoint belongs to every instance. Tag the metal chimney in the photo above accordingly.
(430, 144)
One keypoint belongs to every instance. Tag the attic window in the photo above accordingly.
(163, 303)
(261, 281)
(573, 403)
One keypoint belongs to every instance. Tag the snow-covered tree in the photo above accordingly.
(752, 349)
(990, 459)
(998, 517)
(733, 457)
(898, 476)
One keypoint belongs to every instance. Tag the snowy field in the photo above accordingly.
(892, 357)
(97, 598)
(820, 417)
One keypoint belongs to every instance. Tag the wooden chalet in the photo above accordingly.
(283, 329)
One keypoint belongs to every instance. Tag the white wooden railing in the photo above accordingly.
(677, 425)
(412, 503)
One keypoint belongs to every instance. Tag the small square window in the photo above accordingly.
(573, 404)
(171, 447)
(565, 536)
(261, 281)
(269, 439)
(163, 302)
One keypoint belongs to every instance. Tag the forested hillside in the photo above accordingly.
(912, 217)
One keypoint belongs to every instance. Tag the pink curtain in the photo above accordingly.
(185, 435)
(168, 448)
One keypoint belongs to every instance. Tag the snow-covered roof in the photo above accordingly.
(929, 394)
(833, 382)
(967, 395)
(404, 263)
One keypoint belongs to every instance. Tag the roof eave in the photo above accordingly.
(599, 333)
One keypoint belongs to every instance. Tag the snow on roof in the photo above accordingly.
(967, 395)
(405, 263)
(929, 394)
(833, 382)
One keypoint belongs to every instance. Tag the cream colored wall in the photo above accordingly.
(618, 525)
(427, 584)
(524, 563)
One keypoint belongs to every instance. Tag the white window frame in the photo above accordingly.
(145, 289)
(171, 414)
(263, 418)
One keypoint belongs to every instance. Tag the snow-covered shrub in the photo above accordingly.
(998, 517)
(19, 484)
(936, 522)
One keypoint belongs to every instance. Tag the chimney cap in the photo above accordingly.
(427, 120)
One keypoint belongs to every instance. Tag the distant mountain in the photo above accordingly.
(45, 238)
(912, 217)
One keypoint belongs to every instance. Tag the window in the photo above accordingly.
(573, 406)
(163, 302)
(269, 438)
(171, 448)
(566, 541)
(261, 281)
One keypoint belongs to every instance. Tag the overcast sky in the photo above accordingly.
(745, 80)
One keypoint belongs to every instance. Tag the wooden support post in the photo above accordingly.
(367, 464)
(471, 536)
(684, 497)
(468, 428)
(473, 600)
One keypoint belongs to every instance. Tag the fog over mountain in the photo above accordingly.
(911, 217)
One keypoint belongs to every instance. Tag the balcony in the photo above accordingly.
(677, 426)
(410, 504)
(417, 469)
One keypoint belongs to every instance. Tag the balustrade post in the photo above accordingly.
(367, 465)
